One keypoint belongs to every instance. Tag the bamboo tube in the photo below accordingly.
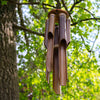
(49, 59)
(68, 38)
(62, 49)
(68, 31)
(46, 33)
(56, 84)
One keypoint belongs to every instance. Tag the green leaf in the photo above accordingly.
(4, 2)
(83, 5)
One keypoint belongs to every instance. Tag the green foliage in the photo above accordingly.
(83, 69)
(3, 2)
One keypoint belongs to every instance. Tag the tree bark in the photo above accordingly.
(8, 67)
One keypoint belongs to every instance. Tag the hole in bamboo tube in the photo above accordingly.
(50, 35)
(63, 42)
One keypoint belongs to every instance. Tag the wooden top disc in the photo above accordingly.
(57, 12)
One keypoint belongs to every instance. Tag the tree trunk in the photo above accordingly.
(8, 67)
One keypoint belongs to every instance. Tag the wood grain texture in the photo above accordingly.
(9, 89)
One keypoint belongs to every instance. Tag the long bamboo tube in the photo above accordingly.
(62, 49)
(49, 59)
(56, 84)
(68, 37)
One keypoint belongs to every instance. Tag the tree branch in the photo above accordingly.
(64, 5)
(28, 30)
(91, 50)
(58, 5)
(95, 39)
(86, 10)
(22, 23)
(75, 3)
(85, 44)
(32, 3)
(66, 9)
(84, 20)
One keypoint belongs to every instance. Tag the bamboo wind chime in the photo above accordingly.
(57, 39)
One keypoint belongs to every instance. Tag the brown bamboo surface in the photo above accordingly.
(62, 28)
(50, 46)
(56, 84)
(51, 26)
(68, 31)
(47, 75)
(62, 49)
(46, 33)
(49, 58)
(56, 81)
(62, 64)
